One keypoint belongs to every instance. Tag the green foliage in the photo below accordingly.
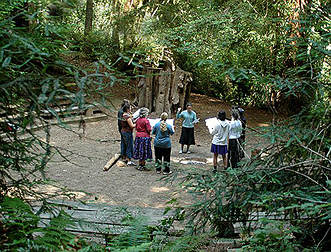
(267, 53)
(288, 181)
(138, 236)
(21, 231)
(11, 7)
(185, 243)
(135, 238)
(244, 51)
(34, 78)
(273, 237)
(257, 52)
(259, 55)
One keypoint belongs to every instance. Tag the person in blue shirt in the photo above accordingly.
(187, 135)
(162, 144)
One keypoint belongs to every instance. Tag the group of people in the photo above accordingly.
(142, 147)
(231, 150)
(228, 138)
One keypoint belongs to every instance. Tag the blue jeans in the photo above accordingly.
(127, 144)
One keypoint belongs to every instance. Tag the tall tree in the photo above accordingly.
(89, 17)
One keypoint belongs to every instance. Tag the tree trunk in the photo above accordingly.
(115, 31)
(163, 90)
(89, 17)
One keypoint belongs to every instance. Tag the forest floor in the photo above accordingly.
(122, 185)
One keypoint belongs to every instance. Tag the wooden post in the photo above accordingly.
(162, 93)
(167, 106)
(149, 89)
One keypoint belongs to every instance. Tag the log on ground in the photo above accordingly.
(112, 161)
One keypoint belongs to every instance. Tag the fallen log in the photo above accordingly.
(112, 161)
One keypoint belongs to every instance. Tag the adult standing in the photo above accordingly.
(127, 137)
(142, 144)
(120, 114)
(219, 144)
(187, 135)
(234, 135)
(119, 119)
(242, 138)
(162, 144)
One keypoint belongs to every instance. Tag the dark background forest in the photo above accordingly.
(259, 53)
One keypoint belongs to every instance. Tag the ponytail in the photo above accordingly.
(163, 126)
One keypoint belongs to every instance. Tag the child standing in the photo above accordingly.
(142, 144)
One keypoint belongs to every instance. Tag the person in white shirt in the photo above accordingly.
(219, 143)
(234, 135)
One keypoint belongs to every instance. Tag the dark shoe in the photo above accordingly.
(158, 171)
(214, 170)
(141, 168)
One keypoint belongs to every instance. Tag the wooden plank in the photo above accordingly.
(93, 212)
(95, 220)
(83, 227)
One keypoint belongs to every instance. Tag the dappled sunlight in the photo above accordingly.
(102, 199)
(56, 191)
(159, 189)
(263, 124)
(160, 206)
(209, 160)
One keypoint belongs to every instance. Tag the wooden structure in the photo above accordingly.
(164, 90)
(94, 221)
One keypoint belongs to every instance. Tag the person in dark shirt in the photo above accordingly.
(120, 114)
(119, 119)
(127, 136)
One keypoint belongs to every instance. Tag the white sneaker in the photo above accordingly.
(188, 152)
(181, 152)
(130, 163)
(167, 173)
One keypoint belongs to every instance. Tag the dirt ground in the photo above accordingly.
(123, 185)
